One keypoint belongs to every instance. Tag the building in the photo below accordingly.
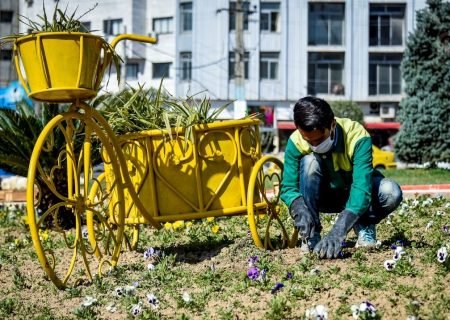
(9, 24)
(337, 50)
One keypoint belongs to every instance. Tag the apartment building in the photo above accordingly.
(9, 24)
(334, 49)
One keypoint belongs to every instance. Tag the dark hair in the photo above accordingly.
(311, 113)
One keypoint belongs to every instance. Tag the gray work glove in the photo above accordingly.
(330, 245)
(303, 218)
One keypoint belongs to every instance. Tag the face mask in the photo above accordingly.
(324, 146)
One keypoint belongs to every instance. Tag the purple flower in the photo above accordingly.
(343, 244)
(289, 275)
(249, 233)
(445, 229)
(393, 246)
(253, 273)
(277, 287)
(340, 254)
(263, 273)
(252, 260)
(149, 253)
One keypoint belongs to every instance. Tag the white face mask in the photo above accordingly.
(324, 146)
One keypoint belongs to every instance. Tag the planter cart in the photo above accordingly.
(150, 177)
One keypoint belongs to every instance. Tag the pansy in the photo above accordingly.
(253, 273)
(215, 228)
(439, 213)
(442, 254)
(252, 260)
(355, 311)
(150, 266)
(318, 312)
(151, 298)
(177, 224)
(111, 308)
(88, 301)
(263, 273)
(289, 275)
(118, 292)
(129, 290)
(411, 317)
(399, 251)
(210, 219)
(367, 307)
(149, 253)
(314, 270)
(414, 203)
(447, 205)
(43, 235)
(186, 297)
(445, 229)
(427, 202)
(136, 309)
(168, 226)
(277, 287)
(389, 264)
(84, 233)
(429, 224)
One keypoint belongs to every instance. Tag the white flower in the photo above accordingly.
(151, 266)
(410, 317)
(439, 213)
(136, 309)
(314, 270)
(389, 264)
(111, 307)
(442, 254)
(399, 251)
(447, 205)
(427, 202)
(186, 297)
(369, 308)
(118, 291)
(355, 311)
(129, 290)
(84, 233)
(318, 312)
(414, 203)
(429, 224)
(151, 298)
(88, 301)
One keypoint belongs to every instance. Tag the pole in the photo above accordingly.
(123, 71)
(240, 105)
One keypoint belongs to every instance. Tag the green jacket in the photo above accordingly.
(349, 166)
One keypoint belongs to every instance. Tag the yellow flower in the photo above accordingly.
(43, 234)
(17, 242)
(262, 216)
(189, 224)
(177, 224)
(210, 219)
(215, 228)
(168, 226)
(25, 219)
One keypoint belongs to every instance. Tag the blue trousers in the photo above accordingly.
(319, 197)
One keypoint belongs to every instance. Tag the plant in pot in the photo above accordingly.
(62, 62)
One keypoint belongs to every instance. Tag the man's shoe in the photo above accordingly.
(309, 243)
(367, 235)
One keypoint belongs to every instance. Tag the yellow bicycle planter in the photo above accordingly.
(149, 177)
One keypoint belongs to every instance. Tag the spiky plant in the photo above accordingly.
(19, 131)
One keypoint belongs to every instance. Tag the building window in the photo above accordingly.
(326, 23)
(132, 70)
(386, 24)
(161, 70)
(6, 54)
(325, 72)
(268, 65)
(163, 25)
(6, 16)
(232, 14)
(232, 62)
(85, 26)
(186, 65)
(186, 16)
(112, 27)
(384, 73)
(270, 17)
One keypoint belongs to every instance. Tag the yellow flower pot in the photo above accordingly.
(209, 178)
(61, 66)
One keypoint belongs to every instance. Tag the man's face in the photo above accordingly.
(316, 137)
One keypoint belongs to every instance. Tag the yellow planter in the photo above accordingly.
(209, 178)
(61, 66)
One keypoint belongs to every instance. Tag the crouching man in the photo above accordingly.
(328, 168)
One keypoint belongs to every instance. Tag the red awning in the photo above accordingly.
(286, 125)
(383, 125)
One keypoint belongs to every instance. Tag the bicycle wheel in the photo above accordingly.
(75, 226)
(268, 216)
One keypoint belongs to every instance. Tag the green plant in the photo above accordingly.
(347, 109)
(279, 308)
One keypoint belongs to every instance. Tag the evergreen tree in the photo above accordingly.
(425, 112)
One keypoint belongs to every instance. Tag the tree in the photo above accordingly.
(425, 112)
(347, 109)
